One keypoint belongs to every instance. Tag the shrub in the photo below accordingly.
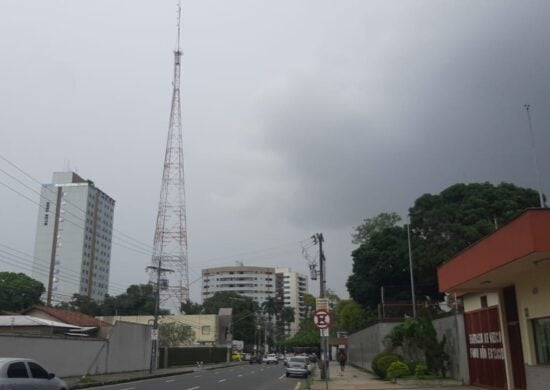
(381, 363)
(421, 370)
(397, 369)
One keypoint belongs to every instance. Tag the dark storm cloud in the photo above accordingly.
(437, 100)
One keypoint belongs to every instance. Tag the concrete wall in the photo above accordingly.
(364, 345)
(452, 327)
(127, 348)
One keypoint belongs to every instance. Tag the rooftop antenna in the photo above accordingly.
(179, 27)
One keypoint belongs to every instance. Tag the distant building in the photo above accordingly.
(72, 252)
(291, 288)
(257, 283)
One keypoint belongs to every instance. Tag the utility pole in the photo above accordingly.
(155, 334)
(319, 239)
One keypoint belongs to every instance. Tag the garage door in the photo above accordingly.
(485, 350)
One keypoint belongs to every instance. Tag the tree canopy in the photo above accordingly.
(441, 226)
(19, 291)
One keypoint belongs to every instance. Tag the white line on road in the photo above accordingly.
(282, 376)
(197, 376)
(170, 380)
(239, 375)
(217, 372)
(222, 380)
(252, 372)
(128, 388)
(194, 388)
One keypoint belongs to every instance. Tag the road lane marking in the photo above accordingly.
(197, 376)
(282, 376)
(222, 380)
(170, 380)
(194, 388)
(298, 385)
(128, 388)
(217, 372)
(252, 372)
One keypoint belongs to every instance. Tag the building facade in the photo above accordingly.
(72, 252)
(257, 283)
(291, 289)
(503, 282)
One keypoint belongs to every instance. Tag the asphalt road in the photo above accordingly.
(244, 377)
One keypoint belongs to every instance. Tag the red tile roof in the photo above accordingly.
(69, 317)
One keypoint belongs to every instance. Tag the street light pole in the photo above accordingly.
(411, 268)
(534, 151)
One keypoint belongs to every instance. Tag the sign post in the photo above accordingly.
(321, 319)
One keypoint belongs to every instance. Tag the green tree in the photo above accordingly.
(19, 291)
(245, 313)
(374, 225)
(288, 316)
(441, 226)
(139, 299)
(189, 307)
(350, 316)
(174, 334)
(83, 304)
(383, 261)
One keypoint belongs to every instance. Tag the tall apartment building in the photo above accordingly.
(257, 283)
(72, 252)
(260, 283)
(291, 288)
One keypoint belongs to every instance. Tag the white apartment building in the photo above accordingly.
(291, 288)
(72, 252)
(257, 283)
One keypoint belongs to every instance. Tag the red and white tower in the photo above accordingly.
(169, 262)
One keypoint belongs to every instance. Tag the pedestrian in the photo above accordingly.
(342, 358)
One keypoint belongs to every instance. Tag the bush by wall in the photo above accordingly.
(382, 361)
(397, 369)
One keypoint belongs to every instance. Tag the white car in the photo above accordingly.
(271, 358)
(22, 374)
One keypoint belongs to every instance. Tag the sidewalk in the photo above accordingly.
(122, 377)
(355, 379)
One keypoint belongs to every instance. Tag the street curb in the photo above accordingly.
(144, 377)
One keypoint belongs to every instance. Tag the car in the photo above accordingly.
(271, 358)
(255, 359)
(297, 366)
(21, 373)
(247, 356)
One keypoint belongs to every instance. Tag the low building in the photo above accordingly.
(504, 282)
(206, 327)
(28, 325)
(91, 325)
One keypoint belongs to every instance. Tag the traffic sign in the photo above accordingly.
(321, 304)
(321, 319)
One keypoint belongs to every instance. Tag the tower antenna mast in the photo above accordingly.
(170, 240)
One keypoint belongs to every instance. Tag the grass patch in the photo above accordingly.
(86, 379)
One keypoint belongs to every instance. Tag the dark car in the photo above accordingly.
(255, 359)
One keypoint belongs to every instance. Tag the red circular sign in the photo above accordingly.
(321, 319)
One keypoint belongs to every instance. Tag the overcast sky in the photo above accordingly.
(299, 116)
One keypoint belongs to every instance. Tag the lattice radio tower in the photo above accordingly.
(169, 268)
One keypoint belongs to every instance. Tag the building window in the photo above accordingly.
(483, 301)
(542, 339)
(205, 329)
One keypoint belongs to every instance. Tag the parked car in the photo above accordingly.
(255, 359)
(271, 358)
(19, 373)
(297, 366)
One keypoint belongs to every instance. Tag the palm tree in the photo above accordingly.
(288, 316)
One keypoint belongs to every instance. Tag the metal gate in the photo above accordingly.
(485, 350)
